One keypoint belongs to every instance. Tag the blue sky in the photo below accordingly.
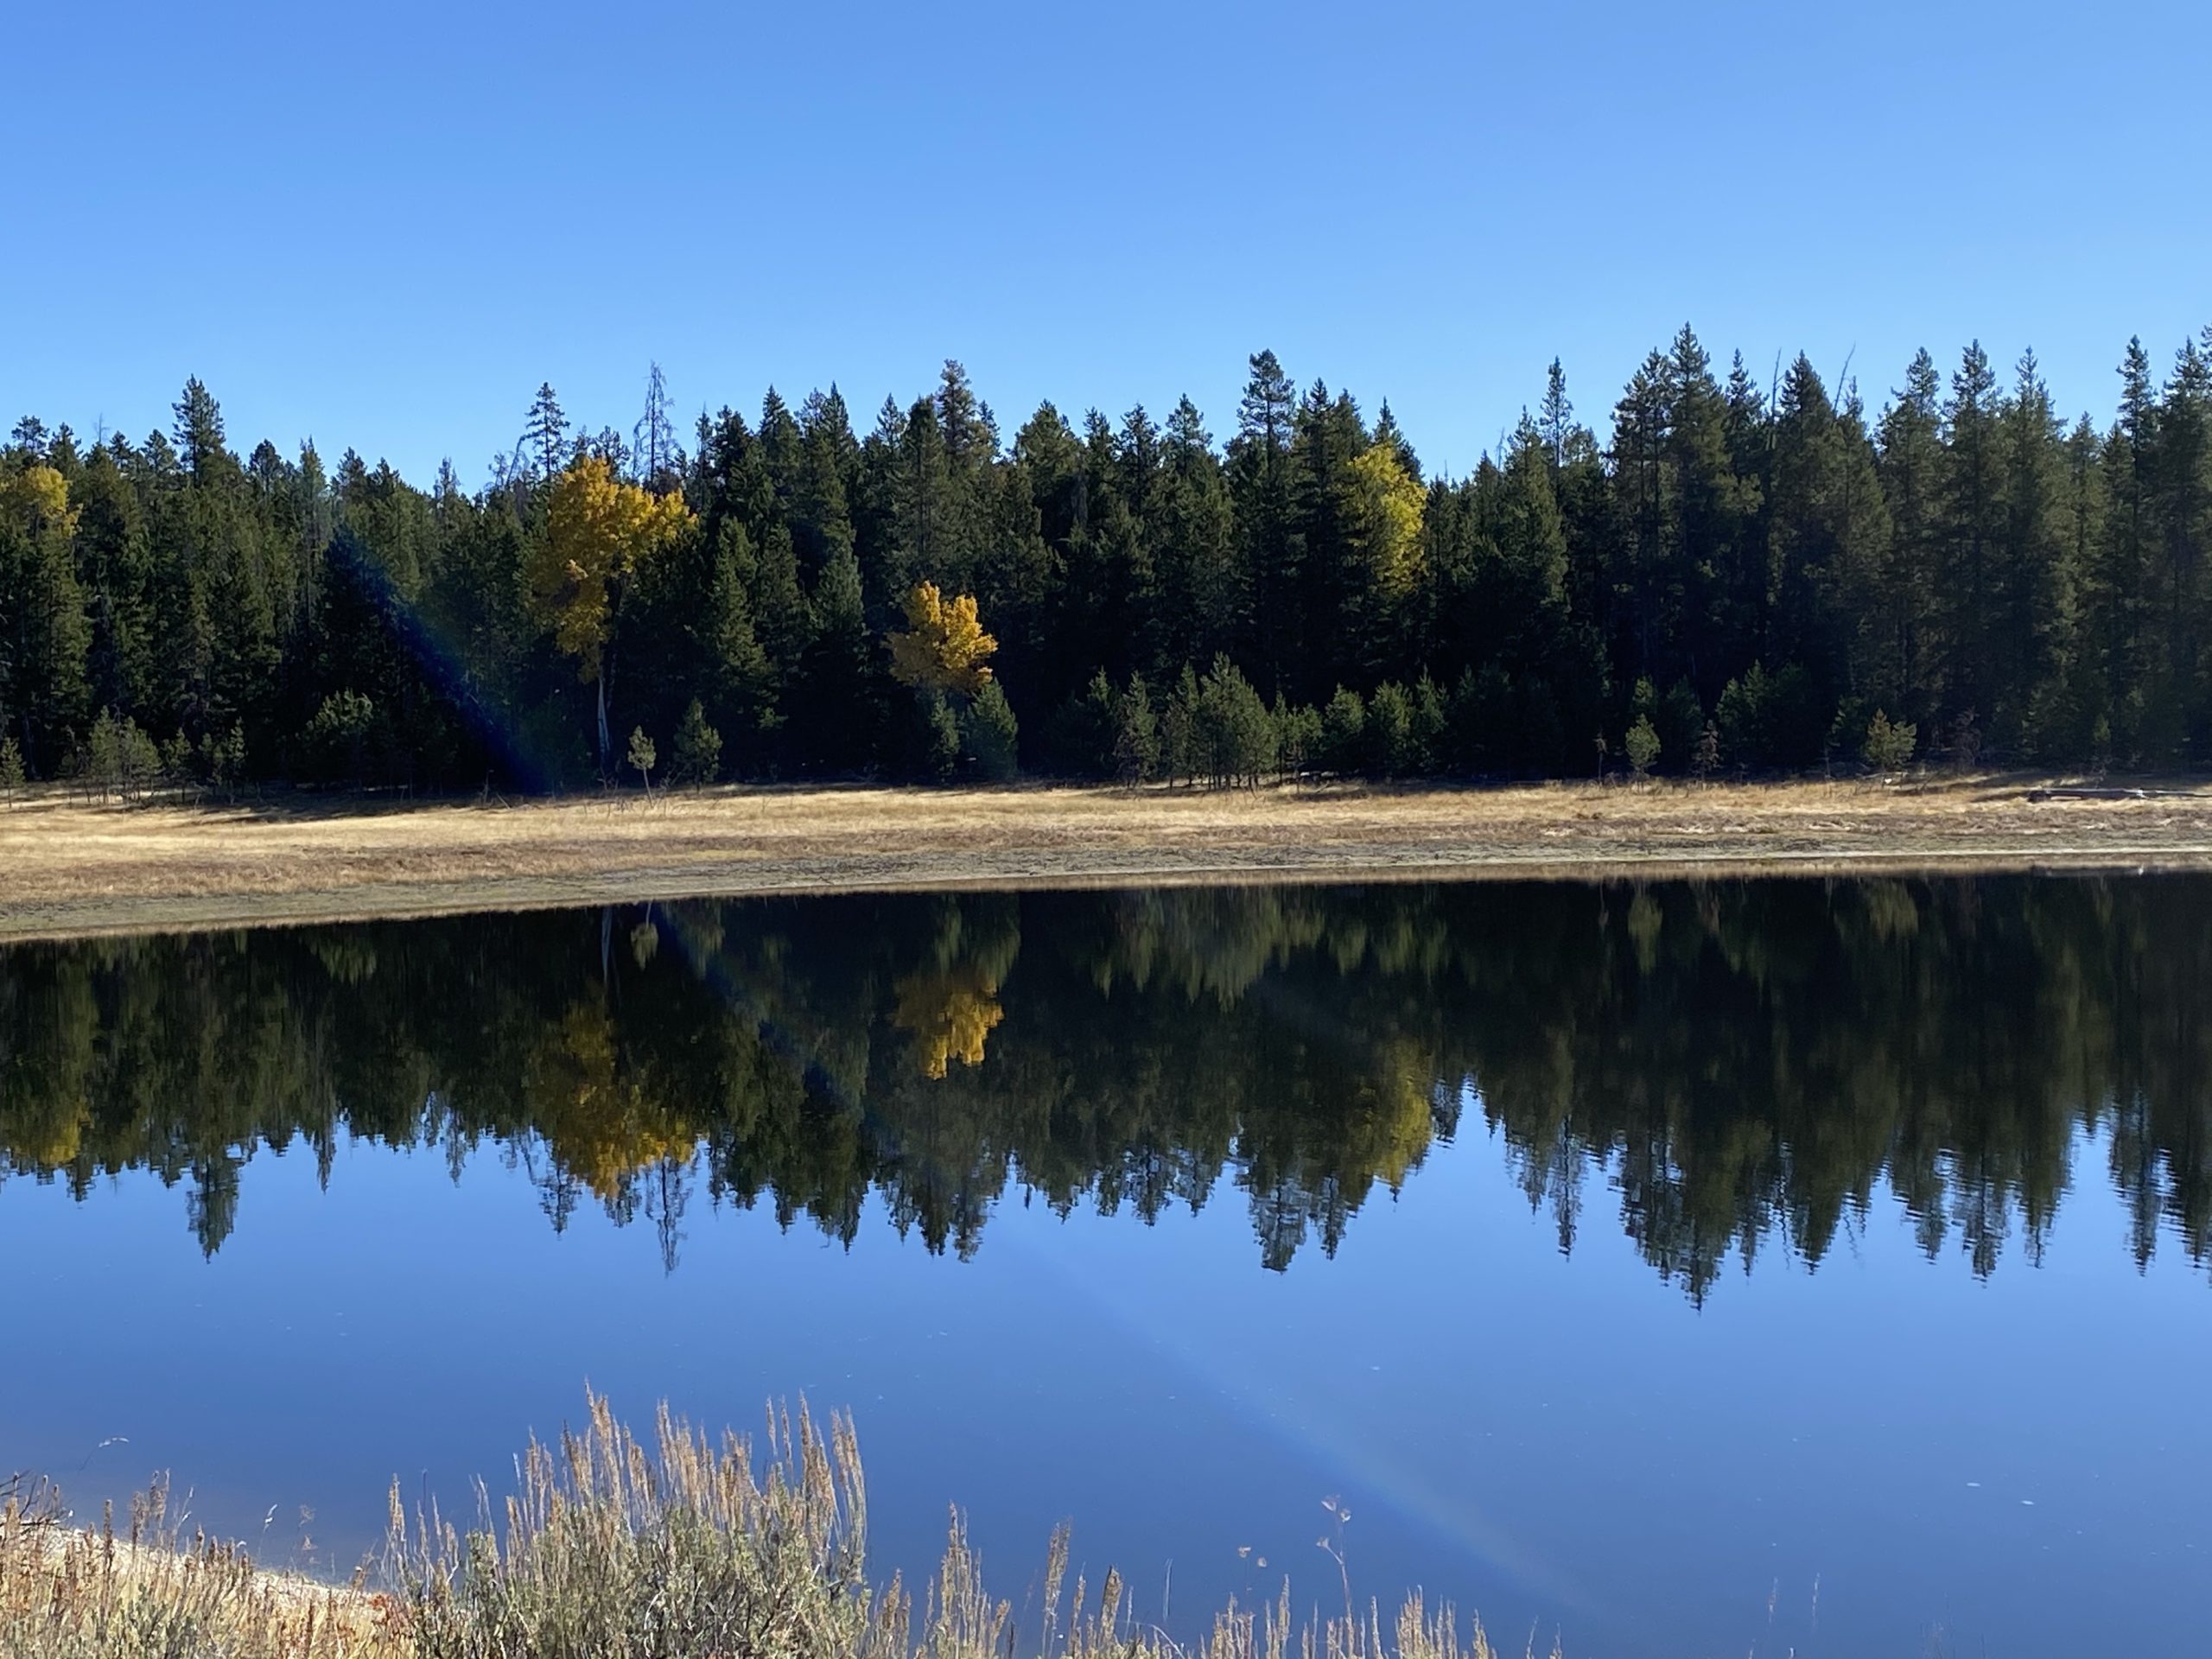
(383, 226)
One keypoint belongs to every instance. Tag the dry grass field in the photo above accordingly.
(69, 867)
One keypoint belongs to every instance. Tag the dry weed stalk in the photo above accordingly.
(613, 1548)
(152, 1593)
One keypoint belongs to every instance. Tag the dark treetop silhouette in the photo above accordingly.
(1735, 1067)
(1750, 571)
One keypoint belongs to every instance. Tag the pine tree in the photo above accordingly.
(782, 617)
(697, 755)
(2078, 709)
(544, 433)
(821, 521)
(1711, 572)
(1640, 746)
(837, 711)
(1828, 535)
(1136, 735)
(941, 741)
(652, 444)
(1889, 747)
(1912, 468)
(1260, 486)
(1329, 515)
(1653, 586)
(199, 429)
(1971, 520)
(43, 640)
(1556, 422)
(2183, 557)
(1388, 732)
(748, 686)
(114, 565)
(1344, 732)
(989, 735)
(2028, 565)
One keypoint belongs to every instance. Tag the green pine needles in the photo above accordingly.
(1765, 562)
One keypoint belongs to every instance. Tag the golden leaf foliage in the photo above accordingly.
(601, 1123)
(944, 645)
(50, 1141)
(597, 530)
(1387, 506)
(949, 1013)
(37, 498)
(1392, 1122)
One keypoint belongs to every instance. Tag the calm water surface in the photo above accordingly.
(1787, 1266)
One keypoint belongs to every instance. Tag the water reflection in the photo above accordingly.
(1725, 1068)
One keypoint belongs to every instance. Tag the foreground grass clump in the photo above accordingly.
(151, 1591)
(688, 1549)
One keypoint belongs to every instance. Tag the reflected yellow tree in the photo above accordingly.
(951, 1005)
(949, 1013)
(601, 1122)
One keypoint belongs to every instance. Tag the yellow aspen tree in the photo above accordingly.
(1388, 504)
(944, 644)
(599, 530)
(949, 1013)
(38, 498)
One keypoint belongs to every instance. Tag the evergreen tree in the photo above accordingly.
(1906, 665)
(199, 429)
(114, 568)
(1971, 520)
(697, 753)
(544, 433)
(1260, 487)
(43, 640)
(1642, 746)
(1828, 535)
(821, 521)
(838, 709)
(1136, 735)
(2029, 566)
(653, 441)
(989, 735)
(1344, 732)
(2182, 709)
(1556, 423)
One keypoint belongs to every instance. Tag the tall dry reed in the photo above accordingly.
(684, 1547)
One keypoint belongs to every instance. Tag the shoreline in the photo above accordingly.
(72, 869)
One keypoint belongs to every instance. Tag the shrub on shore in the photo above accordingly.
(685, 1547)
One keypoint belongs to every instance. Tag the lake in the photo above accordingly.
(1671, 1268)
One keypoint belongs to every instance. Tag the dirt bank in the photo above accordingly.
(68, 866)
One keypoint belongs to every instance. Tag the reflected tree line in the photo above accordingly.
(1729, 1068)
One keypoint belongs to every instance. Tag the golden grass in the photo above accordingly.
(148, 1592)
(615, 1547)
(69, 867)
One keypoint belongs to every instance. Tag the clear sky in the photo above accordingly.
(383, 225)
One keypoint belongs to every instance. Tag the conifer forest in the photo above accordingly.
(1727, 571)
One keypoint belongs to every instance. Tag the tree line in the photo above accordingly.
(1730, 1071)
(1741, 574)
